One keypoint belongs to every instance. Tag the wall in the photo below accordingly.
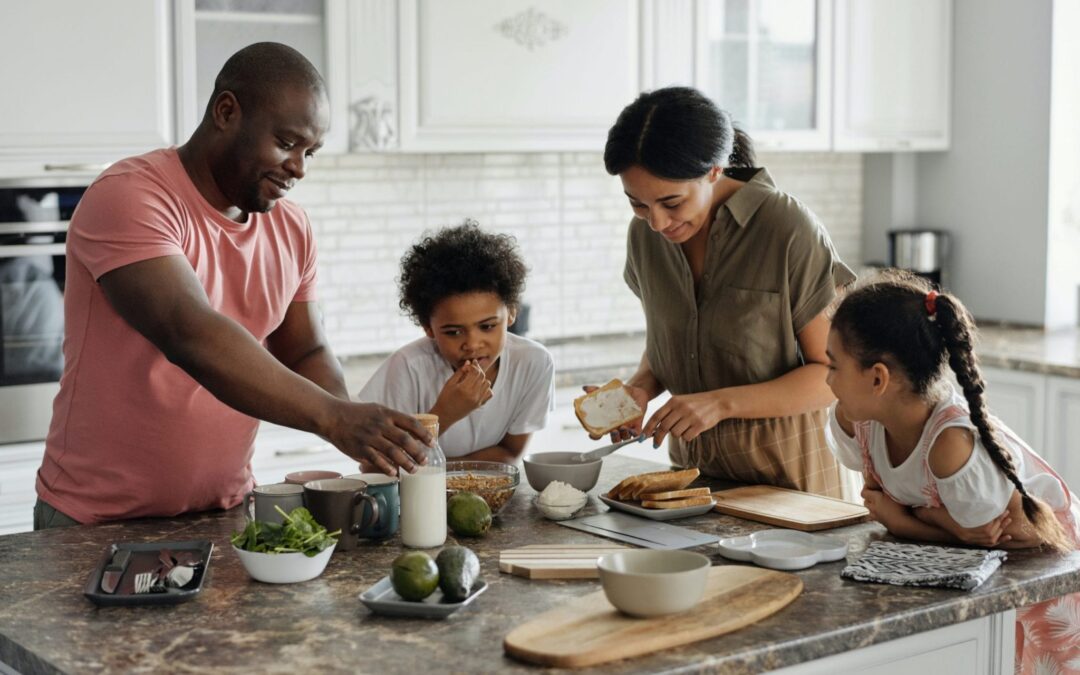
(569, 217)
(990, 188)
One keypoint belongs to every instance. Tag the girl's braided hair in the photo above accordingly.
(887, 321)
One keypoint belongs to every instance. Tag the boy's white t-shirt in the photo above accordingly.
(411, 379)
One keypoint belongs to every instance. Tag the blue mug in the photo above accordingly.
(385, 491)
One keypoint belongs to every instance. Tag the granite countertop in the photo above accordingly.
(237, 624)
(1050, 352)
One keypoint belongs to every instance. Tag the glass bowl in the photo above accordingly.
(494, 481)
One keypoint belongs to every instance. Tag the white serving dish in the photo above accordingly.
(284, 568)
(658, 514)
(784, 549)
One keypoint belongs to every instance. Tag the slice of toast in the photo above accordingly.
(607, 408)
(664, 481)
(677, 503)
(675, 494)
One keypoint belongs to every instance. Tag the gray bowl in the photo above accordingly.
(646, 582)
(543, 467)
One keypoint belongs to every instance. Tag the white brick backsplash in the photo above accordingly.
(568, 216)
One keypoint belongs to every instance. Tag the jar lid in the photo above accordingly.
(429, 422)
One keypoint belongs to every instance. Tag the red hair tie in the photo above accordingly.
(931, 304)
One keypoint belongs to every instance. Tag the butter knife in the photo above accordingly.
(115, 569)
(605, 450)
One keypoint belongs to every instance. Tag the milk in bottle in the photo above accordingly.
(423, 495)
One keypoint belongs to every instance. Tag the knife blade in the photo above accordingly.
(115, 569)
(606, 450)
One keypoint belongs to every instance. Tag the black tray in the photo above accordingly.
(145, 556)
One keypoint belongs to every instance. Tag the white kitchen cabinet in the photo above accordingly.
(1019, 399)
(769, 63)
(1063, 427)
(19, 463)
(514, 75)
(893, 75)
(85, 84)
(208, 32)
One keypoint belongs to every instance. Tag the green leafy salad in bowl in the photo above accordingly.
(299, 533)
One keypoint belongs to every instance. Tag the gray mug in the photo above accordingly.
(265, 497)
(385, 491)
(340, 504)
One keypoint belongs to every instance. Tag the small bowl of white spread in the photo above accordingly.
(560, 501)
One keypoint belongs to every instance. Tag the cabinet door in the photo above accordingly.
(84, 81)
(893, 73)
(768, 63)
(19, 463)
(1063, 428)
(208, 32)
(494, 75)
(1019, 400)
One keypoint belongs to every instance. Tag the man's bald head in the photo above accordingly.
(259, 71)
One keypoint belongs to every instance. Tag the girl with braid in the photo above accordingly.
(938, 466)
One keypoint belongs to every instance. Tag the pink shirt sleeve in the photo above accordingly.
(123, 220)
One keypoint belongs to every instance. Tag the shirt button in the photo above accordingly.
(691, 355)
(705, 276)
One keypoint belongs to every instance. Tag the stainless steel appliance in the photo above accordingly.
(33, 229)
(924, 252)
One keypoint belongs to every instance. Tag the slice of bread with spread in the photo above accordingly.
(607, 408)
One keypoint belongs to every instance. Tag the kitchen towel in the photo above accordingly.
(919, 565)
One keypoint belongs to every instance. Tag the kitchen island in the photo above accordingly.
(239, 625)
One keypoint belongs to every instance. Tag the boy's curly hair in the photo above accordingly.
(457, 260)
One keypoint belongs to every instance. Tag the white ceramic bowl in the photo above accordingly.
(648, 582)
(543, 467)
(284, 568)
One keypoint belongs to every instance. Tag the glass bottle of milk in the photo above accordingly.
(423, 495)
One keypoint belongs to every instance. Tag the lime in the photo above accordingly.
(468, 514)
(414, 575)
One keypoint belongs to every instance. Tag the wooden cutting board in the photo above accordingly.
(788, 508)
(555, 562)
(589, 630)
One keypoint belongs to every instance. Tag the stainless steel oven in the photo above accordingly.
(33, 229)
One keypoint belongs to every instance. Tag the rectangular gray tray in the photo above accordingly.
(658, 514)
(382, 599)
(139, 552)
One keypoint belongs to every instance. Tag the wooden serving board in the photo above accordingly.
(788, 508)
(555, 562)
(589, 630)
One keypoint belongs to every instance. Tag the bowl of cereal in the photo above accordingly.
(494, 481)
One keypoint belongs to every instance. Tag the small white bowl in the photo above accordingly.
(559, 511)
(646, 582)
(284, 568)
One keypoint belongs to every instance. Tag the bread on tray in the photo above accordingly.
(607, 408)
(676, 494)
(633, 487)
(677, 503)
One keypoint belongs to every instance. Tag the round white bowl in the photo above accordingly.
(543, 467)
(284, 568)
(650, 582)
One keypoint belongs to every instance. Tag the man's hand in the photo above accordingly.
(379, 437)
(685, 417)
(466, 390)
(627, 431)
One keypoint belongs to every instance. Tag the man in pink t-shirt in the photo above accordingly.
(189, 314)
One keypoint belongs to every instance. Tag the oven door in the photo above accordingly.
(31, 322)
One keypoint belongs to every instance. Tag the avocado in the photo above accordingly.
(459, 568)
(468, 514)
(414, 575)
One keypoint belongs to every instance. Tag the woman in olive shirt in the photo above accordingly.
(734, 277)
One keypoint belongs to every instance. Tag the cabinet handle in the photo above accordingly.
(305, 450)
(80, 167)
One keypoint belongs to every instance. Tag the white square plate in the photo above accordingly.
(657, 514)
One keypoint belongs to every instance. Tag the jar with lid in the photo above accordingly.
(423, 495)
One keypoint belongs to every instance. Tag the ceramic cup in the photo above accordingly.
(385, 490)
(301, 477)
(339, 504)
(260, 502)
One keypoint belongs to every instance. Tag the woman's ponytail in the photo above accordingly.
(957, 335)
(742, 154)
